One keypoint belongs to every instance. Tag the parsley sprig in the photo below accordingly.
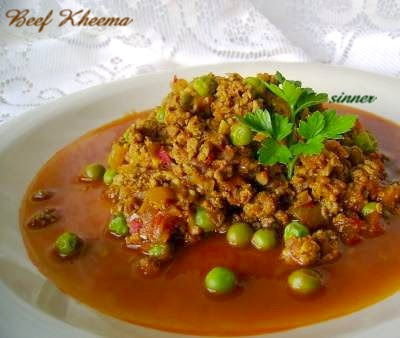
(287, 140)
(297, 98)
(276, 127)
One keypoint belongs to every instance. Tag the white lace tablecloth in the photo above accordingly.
(38, 67)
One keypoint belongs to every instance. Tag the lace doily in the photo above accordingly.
(38, 67)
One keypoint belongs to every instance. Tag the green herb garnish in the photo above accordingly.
(272, 152)
(298, 98)
(286, 140)
(273, 125)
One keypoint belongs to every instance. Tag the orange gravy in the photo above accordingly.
(104, 275)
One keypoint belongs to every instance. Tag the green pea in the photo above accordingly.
(241, 134)
(257, 84)
(264, 239)
(369, 208)
(305, 281)
(295, 229)
(220, 280)
(203, 219)
(239, 234)
(94, 171)
(160, 115)
(67, 244)
(118, 226)
(109, 175)
(366, 141)
(205, 85)
(158, 250)
(186, 100)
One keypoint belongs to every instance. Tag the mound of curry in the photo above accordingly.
(258, 159)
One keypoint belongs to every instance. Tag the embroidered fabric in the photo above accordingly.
(38, 67)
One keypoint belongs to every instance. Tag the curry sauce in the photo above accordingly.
(104, 274)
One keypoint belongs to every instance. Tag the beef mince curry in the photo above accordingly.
(238, 206)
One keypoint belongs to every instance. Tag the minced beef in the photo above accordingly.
(188, 153)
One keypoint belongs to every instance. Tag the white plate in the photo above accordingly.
(31, 306)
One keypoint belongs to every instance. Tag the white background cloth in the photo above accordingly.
(38, 67)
